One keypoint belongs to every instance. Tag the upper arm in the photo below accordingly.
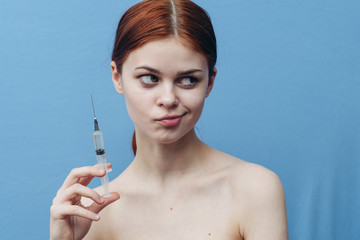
(265, 210)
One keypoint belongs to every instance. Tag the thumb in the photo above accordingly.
(96, 208)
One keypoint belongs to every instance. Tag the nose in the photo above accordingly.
(167, 96)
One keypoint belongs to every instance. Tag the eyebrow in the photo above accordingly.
(153, 70)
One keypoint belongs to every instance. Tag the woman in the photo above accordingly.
(177, 187)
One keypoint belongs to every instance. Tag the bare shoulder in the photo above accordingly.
(251, 177)
(258, 198)
(258, 181)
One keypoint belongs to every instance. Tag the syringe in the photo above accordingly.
(100, 153)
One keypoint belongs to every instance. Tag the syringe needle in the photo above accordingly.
(96, 125)
(92, 102)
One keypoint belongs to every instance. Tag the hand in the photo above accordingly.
(69, 219)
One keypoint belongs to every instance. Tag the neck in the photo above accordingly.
(169, 163)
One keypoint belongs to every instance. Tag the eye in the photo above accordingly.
(188, 82)
(148, 80)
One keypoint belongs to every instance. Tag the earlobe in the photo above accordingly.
(211, 82)
(116, 78)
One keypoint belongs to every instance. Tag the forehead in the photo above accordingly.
(166, 54)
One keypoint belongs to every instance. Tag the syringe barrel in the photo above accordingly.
(98, 140)
(100, 149)
(101, 159)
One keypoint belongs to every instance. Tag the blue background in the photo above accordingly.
(286, 97)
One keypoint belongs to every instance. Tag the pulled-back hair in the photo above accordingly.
(151, 20)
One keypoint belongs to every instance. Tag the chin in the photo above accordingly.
(170, 138)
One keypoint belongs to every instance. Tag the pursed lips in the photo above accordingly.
(170, 117)
(170, 120)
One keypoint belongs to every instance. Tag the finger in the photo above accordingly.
(85, 181)
(96, 208)
(60, 212)
(75, 190)
(83, 172)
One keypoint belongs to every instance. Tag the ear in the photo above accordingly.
(211, 82)
(116, 78)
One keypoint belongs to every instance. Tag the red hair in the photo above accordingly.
(152, 20)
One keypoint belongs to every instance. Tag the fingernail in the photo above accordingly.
(97, 217)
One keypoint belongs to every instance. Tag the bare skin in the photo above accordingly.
(176, 187)
(226, 199)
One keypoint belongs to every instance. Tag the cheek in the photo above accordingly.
(135, 108)
(194, 102)
(136, 103)
(131, 104)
